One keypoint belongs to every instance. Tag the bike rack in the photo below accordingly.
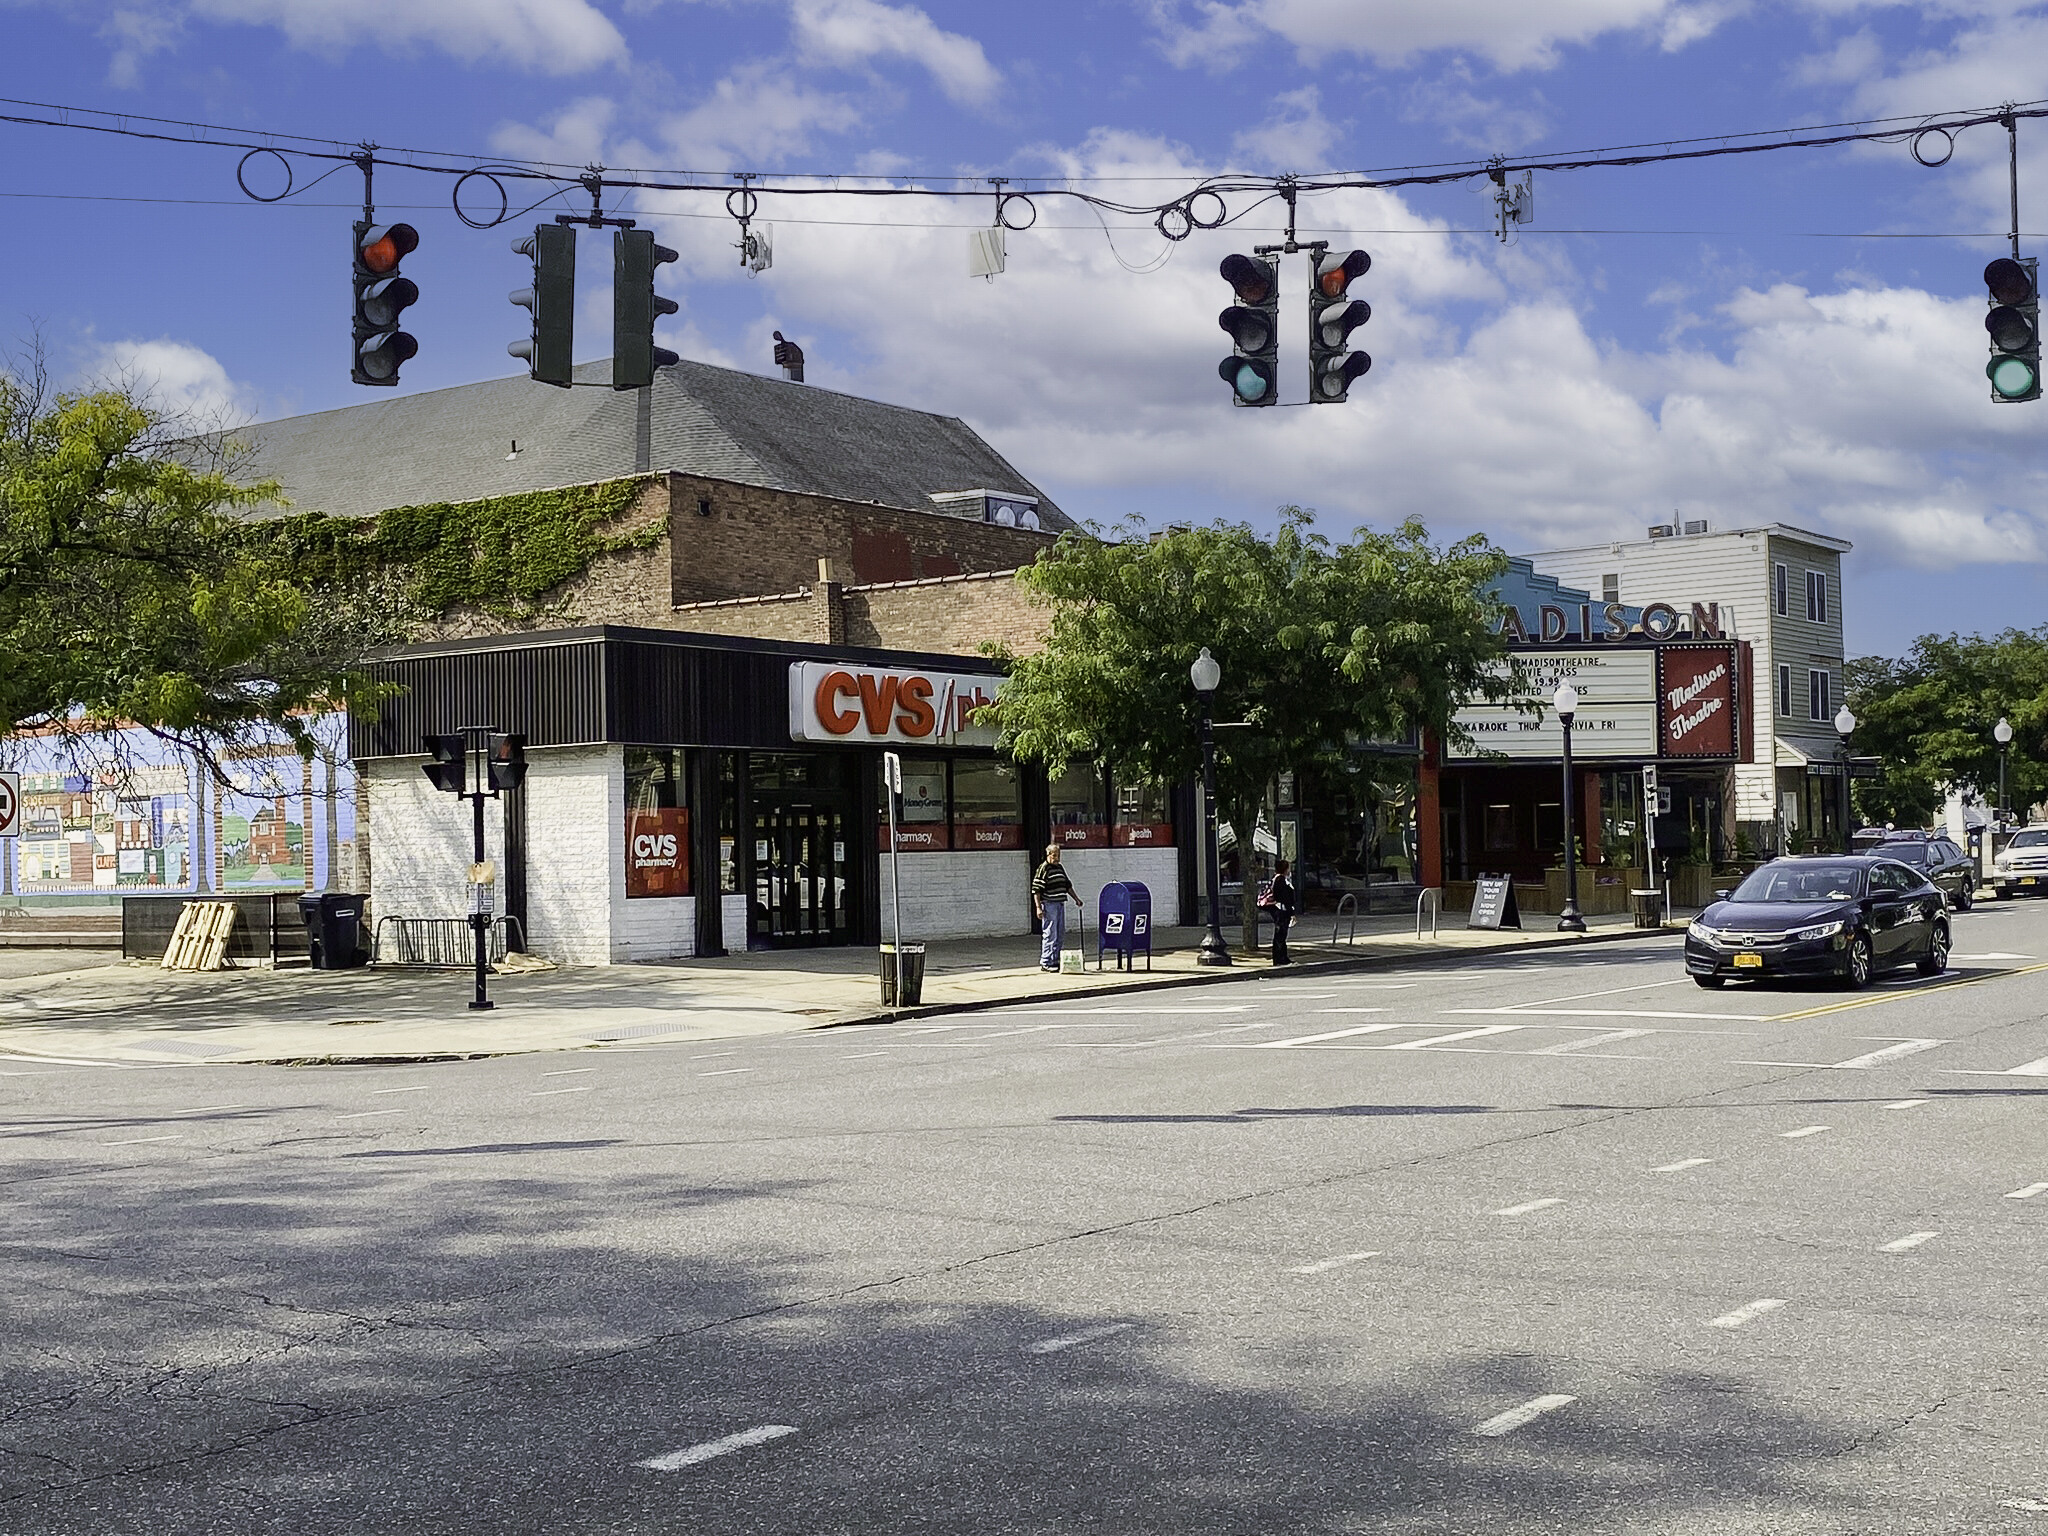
(1433, 897)
(1349, 899)
(440, 943)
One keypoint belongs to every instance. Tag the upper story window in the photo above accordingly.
(1819, 695)
(1781, 591)
(1785, 690)
(1817, 597)
(1610, 588)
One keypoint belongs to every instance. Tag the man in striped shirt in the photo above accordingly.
(1051, 889)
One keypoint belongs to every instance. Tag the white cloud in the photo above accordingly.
(850, 33)
(755, 118)
(1509, 34)
(136, 36)
(574, 136)
(184, 382)
(1296, 137)
(557, 37)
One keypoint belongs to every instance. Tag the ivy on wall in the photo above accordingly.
(499, 555)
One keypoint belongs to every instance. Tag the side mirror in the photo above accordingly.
(1724, 894)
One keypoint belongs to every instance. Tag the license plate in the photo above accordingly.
(2026, 880)
(1749, 962)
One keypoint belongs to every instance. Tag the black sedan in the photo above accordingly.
(1847, 917)
(1939, 858)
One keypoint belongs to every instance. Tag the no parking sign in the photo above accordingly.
(10, 804)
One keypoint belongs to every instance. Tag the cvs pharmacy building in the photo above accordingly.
(699, 795)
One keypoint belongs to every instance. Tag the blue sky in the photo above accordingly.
(1794, 336)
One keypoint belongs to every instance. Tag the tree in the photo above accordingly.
(1929, 716)
(1321, 645)
(133, 589)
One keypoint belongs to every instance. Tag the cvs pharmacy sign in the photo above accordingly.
(858, 702)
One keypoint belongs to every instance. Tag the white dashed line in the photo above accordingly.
(569, 1072)
(1515, 1418)
(549, 1093)
(1610, 1037)
(1910, 1240)
(1804, 1130)
(1333, 1034)
(1337, 1263)
(1748, 1312)
(2028, 1193)
(1878, 1058)
(690, 1455)
(1527, 1206)
(1462, 1034)
(365, 1114)
(143, 1141)
(210, 1109)
(415, 1088)
(1068, 1341)
(1682, 1164)
(725, 1071)
(1907, 1104)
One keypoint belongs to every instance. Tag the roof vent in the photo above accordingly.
(1697, 527)
(1662, 530)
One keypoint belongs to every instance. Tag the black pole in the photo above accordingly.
(1214, 950)
(479, 919)
(1845, 794)
(1569, 920)
(2002, 817)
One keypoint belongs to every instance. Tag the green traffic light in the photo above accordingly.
(2012, 378)
(1250, 384)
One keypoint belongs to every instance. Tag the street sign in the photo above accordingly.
(1649, 781)
(1866, 767)
(10, 805)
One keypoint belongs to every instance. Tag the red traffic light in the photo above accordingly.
(384, 246)
(1249, 278)
(1335, 272)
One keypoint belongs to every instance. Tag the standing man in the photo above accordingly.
(1280, 901)
(1051, 890)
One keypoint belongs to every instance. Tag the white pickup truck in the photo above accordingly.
(2021, 868)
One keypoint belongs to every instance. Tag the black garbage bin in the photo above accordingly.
(334, 929)
(913, 976)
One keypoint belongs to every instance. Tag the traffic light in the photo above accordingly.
(445, 756)
(508, 761)
(381, 295)
(2014, 325)
(1253, 370)
(635, 307)
(552, 298)
(1332, 316)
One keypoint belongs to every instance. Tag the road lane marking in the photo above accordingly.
(1748, 1312)
(1892, 997)
(725, 1071)
(549, 1093)
(1618, 1013)
(1337, 1263)
(1348, 1010)
(1515, 1418)
(1334, 1034)
(1580, 997)
(1906, 1104)
(1890, 1053)
(415, 1088)
(142, 1141)
(1070, 1340)
(211, 1109)
(1527, 1206)
(863, 1055)
(2028, 1193)
(1462, 1034)
(710, 1055)
(2036, 1068)
(569, 1072)
(1682, 1164)
(1608, 1038)
(365, 1114)
(1804, 1130)
(1909, 1241)
(1996, 954)
(690, 1455)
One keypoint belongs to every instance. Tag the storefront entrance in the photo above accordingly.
(801, 876)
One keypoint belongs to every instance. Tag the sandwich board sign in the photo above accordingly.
(1493, 903)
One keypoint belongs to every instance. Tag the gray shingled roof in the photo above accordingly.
(453, 444)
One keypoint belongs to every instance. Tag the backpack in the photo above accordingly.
(1266, 901)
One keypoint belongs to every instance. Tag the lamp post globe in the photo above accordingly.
(1205, 674)
(1566, 702)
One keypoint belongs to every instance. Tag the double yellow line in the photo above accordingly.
(1893, 997)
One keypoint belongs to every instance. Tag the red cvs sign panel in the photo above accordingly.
(855, 702)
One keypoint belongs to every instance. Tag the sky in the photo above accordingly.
(1794, 336)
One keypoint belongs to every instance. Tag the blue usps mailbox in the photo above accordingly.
(1125, 926)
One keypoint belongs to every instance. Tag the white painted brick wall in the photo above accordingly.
(732, 923)
(1157, 868)
(575, 864)
(961, 895)
(420, 842)
(655, 928)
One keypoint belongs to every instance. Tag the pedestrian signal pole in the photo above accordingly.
(475, 764)
(892, 790)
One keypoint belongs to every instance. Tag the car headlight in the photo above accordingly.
(1699, 931)
(2002, 862)
(1819, 930)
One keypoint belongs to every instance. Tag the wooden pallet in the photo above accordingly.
(200, 941)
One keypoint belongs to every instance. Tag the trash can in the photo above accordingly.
(334, 929)
(913, 976)
(1648, 907)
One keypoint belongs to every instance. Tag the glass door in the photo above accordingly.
(800, 886)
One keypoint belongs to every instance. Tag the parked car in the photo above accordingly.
(1843, 915)
(2021, 869)
(1934, 854)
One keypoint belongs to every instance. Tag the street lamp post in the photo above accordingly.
(1844, 724)
(1566, 702)
(2002, 734)
(1205, 674)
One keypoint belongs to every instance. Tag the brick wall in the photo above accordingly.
(949, 615)
(575, 863)
(960, 895)
(422, 841)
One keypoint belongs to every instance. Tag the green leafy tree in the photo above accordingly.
(133, 588)
(1929, 716)
(1322, 645)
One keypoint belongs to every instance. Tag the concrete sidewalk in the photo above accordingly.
(133, 1013)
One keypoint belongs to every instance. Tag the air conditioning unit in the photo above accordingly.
(1662, 531)
(1696, 527)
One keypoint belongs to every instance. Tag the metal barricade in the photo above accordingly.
(1350, 900)
(1433, 897)
(439, 942)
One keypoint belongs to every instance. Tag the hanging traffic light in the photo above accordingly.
(2014, 326)
(1332, 316)
(635, 308)
(1253, 370)
(381, 296)
(549, 348)
(508, 761)
(445, 756)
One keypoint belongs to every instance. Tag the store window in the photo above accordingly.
(657, 823)
(1080, 807)
(1500, 828)
(728, 823)
(921, 820)
(988, 810)
(1144, 815)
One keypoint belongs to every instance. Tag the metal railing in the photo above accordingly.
(447, 942)
(1348, 900)
(1431, 896)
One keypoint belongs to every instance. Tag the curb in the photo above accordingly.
(1366, 962)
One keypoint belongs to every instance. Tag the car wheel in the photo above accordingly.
(1937, 952)
(1856, 963)
(1710, 981)
(1966, 898)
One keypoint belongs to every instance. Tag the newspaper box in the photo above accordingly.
(1124, 923)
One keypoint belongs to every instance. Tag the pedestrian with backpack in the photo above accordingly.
(1277, 899)
(1051, 889)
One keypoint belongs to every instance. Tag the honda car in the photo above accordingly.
(1846, 917)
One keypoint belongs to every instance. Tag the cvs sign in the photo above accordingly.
(849, 702)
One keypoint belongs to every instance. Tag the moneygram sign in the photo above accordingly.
(1696, 700)
(855, 703)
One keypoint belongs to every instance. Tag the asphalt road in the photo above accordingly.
(1545, 1244)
